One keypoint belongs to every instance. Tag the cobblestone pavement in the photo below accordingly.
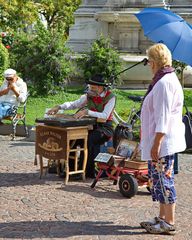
(33, 208)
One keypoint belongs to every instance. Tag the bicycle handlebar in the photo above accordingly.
(136, 98)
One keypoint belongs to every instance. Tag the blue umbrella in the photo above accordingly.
(164, 26)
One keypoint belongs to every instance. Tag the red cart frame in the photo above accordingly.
(129, 180)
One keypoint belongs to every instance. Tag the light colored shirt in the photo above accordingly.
(108, 108)
(10, 97)
(162, 113)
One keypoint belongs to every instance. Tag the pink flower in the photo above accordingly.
(8, 47)
(3, 34)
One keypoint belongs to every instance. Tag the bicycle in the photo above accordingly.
(130, 127)
(133, 121)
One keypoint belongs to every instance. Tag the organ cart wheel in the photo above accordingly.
(128, 185)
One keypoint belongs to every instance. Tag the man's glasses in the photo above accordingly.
(9, 79)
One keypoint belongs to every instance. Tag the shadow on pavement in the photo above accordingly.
(98, 192)
(24, 179)
(143, 193)
(111, 192)
(64, 229)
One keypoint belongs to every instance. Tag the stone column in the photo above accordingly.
(86, 29)
(123, 29)
(129, 40)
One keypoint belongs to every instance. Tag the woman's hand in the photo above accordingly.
(53, 110)
(155, 151)
(81, 114)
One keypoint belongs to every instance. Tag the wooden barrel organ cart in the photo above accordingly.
(55, 140)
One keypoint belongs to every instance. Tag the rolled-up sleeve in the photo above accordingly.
(81, 102)
(22, 93)
(162, 102)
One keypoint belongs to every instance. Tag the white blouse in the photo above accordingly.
(162, 113)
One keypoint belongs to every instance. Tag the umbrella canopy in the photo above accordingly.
(163, 26)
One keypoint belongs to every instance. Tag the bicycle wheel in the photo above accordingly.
(122, 131)
(136, 124)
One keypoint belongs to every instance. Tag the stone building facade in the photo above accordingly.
(116, 19)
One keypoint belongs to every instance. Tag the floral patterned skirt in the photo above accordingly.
(161, 180)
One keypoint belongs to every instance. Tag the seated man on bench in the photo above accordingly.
(13, 91)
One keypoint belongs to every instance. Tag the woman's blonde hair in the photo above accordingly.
(160, 54)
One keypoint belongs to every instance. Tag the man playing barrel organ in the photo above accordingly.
(98, 102)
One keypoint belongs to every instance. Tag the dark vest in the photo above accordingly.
(98, 103)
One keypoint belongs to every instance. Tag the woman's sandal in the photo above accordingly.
(161, 229)
(154, 221)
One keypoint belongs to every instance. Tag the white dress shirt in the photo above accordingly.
(162, 113)
(10, 97)
(83, 101)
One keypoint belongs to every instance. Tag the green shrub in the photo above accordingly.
(179, 67)
(4, 60)
(102, 58)
(42, 59)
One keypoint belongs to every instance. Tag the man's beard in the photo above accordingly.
(91, 93)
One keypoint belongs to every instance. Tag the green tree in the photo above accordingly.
(19, 14)
(42, 59)
(58, 13)
(4, 60)
(15, 14)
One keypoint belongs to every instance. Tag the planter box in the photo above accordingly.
(6, 129)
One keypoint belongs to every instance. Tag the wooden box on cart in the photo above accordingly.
(135, 164)
(130, 150)
(127, 154)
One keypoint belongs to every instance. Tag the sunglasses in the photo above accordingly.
(149, 61)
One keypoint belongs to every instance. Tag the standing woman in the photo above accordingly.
(162, 135)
